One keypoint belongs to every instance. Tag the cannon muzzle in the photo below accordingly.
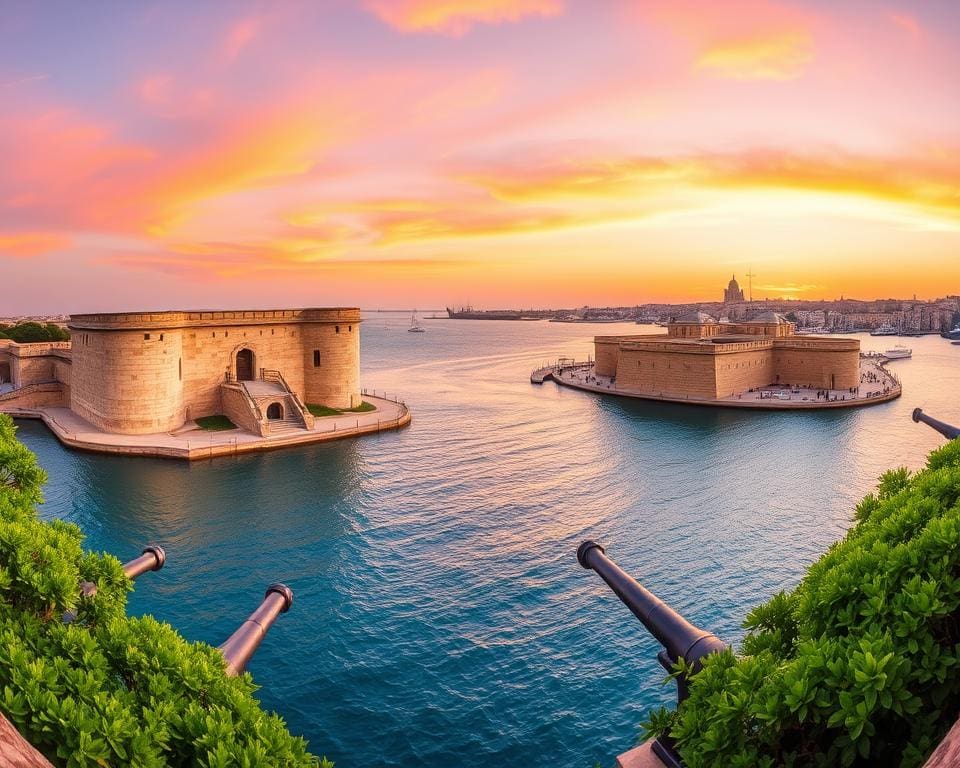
(152, 559)
(948, 431)
(241, 645)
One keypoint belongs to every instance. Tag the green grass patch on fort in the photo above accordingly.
(323, 410)
(216, 423)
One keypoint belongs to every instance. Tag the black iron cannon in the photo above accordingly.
(948, 431)
(680, 639)
(241, 645)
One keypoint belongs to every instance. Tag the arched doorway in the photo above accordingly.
(274, 411)
(245, 365)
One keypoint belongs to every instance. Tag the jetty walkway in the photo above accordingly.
(191, 442)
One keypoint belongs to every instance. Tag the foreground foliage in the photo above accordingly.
(108, 690)
(858, 664)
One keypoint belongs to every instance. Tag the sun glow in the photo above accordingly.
(523, 152)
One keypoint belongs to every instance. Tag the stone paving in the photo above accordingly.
(877, 385)
(195, 443)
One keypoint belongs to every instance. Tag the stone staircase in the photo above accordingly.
(269, 389)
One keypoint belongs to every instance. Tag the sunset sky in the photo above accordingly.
(399, 153)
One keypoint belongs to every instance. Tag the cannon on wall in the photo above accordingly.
(241, 645)
(680, 639)
(948, 431)
(152, 559)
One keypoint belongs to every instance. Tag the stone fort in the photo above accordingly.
(702, 358)
(151, 372)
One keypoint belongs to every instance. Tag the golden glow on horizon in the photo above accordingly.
(509, 152)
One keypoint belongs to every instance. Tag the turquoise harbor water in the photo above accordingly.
(440, 615)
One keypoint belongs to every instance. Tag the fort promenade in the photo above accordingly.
(758, 363)
(878, 385)
(191, 442)
(167, 383)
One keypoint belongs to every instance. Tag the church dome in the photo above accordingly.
(733, 285)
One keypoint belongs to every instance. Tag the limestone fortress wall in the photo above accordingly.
(141, 373)
(702, 359)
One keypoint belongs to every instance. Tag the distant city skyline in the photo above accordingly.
(505, 153)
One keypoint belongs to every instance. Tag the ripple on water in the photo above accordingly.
(440, 615)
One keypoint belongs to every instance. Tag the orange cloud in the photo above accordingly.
(778, 57)
(28, 244)
(927, 185)
(456, 17)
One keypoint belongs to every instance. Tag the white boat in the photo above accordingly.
(898, 352)
(415, 326)
(885, 330)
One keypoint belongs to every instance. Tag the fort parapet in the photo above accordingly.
(140, 373)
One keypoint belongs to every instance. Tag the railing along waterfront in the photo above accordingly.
(680, 639)
(947, 430)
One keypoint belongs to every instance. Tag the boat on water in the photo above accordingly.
(953, 335)
(415, 326)
(885, 330)
(468, 313)
(898, 352)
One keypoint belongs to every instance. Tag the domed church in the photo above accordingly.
(733, 292)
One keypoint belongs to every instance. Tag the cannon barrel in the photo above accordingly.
(948, 431)
(679, 637)
(152, 559)
(241, 645)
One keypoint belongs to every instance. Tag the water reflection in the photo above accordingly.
(440, 614)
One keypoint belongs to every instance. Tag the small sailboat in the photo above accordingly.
(415, 326)
(898, 352)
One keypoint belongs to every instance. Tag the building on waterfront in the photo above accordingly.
(733, 292)
(701, 358)
(151, 372)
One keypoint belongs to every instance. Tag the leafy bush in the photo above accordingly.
(28, 332)
(858, 664)
(107, 689)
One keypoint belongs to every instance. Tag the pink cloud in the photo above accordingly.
(239, 36)
(456, 17)
(905, 22)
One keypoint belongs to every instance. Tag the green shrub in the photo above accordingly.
(858, 664)
(324, 410)
(30, 331)
(364, 407)
(216, 423)
(107, 689)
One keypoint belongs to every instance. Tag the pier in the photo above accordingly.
(193, 443)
